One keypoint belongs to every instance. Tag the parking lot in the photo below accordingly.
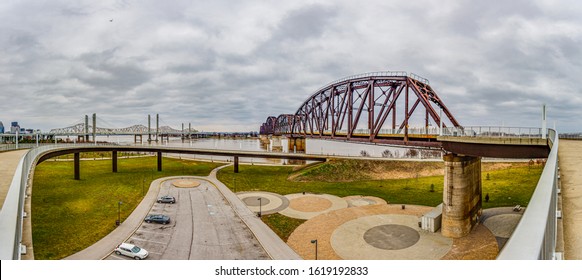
(203, 226)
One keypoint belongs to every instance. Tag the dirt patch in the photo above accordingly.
(347, 170)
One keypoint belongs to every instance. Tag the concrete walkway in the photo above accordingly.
(8, 163)
(570, 156)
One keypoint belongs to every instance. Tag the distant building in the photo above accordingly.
(1, 127)
(14, 127)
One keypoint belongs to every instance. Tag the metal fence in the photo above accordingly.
(12, 214)
(535, 235)
(493, 132)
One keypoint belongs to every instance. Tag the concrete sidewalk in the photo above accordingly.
(570, 156)
(8, 163)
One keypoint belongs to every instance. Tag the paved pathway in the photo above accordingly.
(570, 156)
(8, 163)
(271, 243)
(386, 231)
(202, 226)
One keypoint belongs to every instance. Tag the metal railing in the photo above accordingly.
(12, 213)
(536, 233)
(493, 132)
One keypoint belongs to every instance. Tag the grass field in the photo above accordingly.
(506, 187)
(514, 184)
(69, 215)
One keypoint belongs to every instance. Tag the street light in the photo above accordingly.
(314, 241)
(260, 206)
(118, 222)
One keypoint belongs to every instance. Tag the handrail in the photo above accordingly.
(12, 212)
(535, 235)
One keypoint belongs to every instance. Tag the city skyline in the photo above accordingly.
(227, 66)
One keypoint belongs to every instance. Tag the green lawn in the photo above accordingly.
(505, 187)
(69, 215)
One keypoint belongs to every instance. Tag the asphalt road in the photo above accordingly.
(203, 226)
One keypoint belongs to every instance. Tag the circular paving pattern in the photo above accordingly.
(185, 183)
(309, 204)
(391, 237)
(270, 202)
(254, 201)
(502, 225)
(306, 206)
(358, 200)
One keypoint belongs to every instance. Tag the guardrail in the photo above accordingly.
(535, 235)
(12, 212)
(493, 132)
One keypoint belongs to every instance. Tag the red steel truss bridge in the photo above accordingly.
(379, 107)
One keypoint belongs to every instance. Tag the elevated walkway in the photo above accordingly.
(8, 164)
(570, 157)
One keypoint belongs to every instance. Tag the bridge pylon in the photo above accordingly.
(462, 195)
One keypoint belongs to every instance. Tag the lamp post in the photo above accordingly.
(118, 222)
(260, 206)
(314, 241)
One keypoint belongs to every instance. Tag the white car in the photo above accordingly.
(131, 251)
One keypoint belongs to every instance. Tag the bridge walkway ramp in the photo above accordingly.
(8, 162)
(570, 156)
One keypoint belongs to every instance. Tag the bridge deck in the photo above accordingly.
(8, 164)
(571, 177)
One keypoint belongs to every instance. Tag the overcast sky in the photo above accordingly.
(227, 65)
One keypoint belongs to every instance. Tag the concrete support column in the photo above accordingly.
(235, 164)
(277, 146)
(296, 144)
(114, 161)
(159, 161)
(461, 195)
(77, 164)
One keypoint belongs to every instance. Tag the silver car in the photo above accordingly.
(131, 251)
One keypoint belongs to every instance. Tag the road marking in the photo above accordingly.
(152, 232)
(147, 240)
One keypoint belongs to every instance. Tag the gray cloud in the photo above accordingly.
(226, 65)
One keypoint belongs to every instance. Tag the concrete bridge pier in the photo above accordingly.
(461, 195)
(296, 144)
(114, 161)
(264, 141)
(77, 165)
(159, 161)
(276, 144)
(235, 164)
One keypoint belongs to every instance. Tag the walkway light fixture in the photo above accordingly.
(260, 199)
(314, 241)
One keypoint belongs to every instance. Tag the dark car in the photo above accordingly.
(166, 199)
(157, 218)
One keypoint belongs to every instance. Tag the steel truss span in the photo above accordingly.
(369, 107)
